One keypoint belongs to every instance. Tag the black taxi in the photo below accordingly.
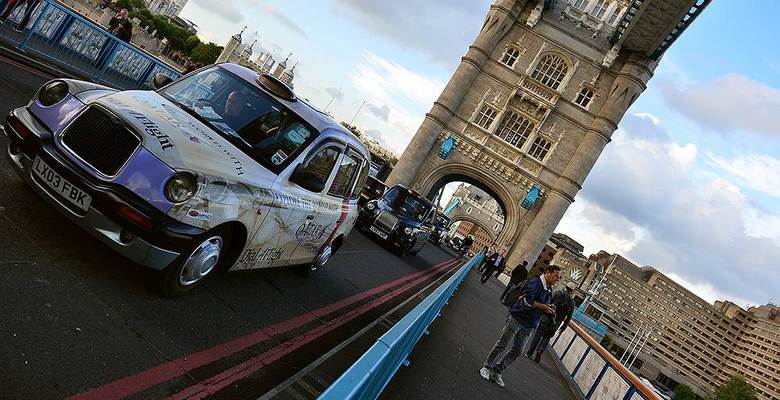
(401, 218)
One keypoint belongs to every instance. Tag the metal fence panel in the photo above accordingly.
(64, 38)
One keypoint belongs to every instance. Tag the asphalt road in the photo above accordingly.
(77, 319)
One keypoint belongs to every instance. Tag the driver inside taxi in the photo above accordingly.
(235, 104)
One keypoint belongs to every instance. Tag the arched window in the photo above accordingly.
(551, 70)
(540, 148)
(510, 56)
(584, 96)
(485, 117)
(515, 129)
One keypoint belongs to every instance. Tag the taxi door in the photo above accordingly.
(297, 194)
(333, 209)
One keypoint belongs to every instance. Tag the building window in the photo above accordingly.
(515, 129)
(540, 148)
(600, 9)
(613, 18)
(580, 4)
(550, 71)
(510, 56)
(486, 116)
(584, 96)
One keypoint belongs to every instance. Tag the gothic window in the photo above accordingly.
(580, 4)
(540, 148)
(485, 116)
(515, 129)
(584, 96)
(600, 9)
(613, 18)
(510, 56)
(550, 70)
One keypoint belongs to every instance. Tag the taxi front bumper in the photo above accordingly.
(155, 248)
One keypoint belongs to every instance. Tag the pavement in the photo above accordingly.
(446, 363)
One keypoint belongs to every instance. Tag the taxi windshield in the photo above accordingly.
(406, 203)
(442, 221)
(252, 120)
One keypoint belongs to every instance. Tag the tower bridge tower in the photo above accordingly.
(534, 102)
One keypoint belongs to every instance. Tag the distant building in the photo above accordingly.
(235, 51)
(170, 8)
(564, 252)
(478, 214)
(190, 26)
(687, 339)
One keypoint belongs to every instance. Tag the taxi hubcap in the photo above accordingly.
(322, 258)
(201, 262)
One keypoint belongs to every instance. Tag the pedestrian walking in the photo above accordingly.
(564, 306)
(519, 274)
(487, 251)
(465, 245)
(120, 26)
(496, 262)
(13, 5)
(523, 317)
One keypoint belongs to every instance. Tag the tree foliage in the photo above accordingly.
(684, 392)
(205, 53)
(736, 388)
(354, 129)
(179, 39)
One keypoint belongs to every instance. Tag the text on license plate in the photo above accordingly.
(73, 194)
(378, 232)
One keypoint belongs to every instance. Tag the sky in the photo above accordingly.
(690, 183)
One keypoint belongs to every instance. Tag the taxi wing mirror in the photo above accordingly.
(307, 180)
(161, 80)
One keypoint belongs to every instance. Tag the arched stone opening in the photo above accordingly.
(434, 180)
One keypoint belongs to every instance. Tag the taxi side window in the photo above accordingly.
(316, 171)
(361, 182)
(345, 175)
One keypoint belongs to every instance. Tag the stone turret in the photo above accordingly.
(231, 47)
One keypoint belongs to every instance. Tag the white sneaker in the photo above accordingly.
(499, 379)
(485, 373)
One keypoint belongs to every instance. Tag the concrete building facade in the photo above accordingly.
(535, 100)
(687, 340)
(170, 8)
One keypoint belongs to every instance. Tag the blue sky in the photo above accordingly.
(690, 183)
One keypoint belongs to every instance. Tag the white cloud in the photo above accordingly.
(732, 102)
(440, 29)
(756, 171)
(403, 94)
(640, 200)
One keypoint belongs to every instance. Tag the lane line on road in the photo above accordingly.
(316, 363)
(224, 379)
(26, 68)
(143, 380)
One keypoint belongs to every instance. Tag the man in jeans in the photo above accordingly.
(523, 317)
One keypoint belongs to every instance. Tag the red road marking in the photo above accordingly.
(218, 382)
(143, 380)
(26, 68)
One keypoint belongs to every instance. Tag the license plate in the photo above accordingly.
(378, 232)
(66, 189)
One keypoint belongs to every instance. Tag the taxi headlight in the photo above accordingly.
(52, 92)
(370, 206)
(181, 187)
(408, 230)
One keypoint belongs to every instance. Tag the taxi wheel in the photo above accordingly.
(326, 253)
(193, 266)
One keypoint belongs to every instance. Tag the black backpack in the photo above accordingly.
(513, 294)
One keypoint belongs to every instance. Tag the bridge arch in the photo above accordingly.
(432, 182)
(479, 223)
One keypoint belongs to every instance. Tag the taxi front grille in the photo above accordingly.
(100, 141)
(386, 221)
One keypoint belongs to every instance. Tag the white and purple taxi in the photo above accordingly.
(221, 169)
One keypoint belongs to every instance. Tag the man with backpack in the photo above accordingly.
(527, 304)
(564, 307)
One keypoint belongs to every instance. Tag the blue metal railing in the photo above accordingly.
(58, 35)
(372, 372)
